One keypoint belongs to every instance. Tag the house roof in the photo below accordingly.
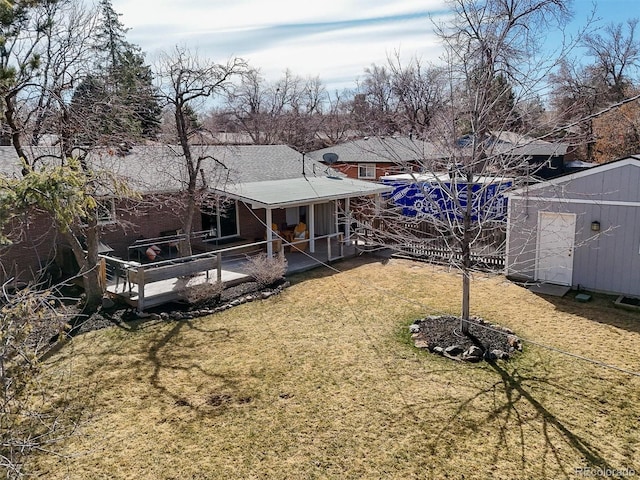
(622, 162)
(301, 191)
(161, 168)
(517, 144)
(380, 150)
(263, 175)
(404, 149)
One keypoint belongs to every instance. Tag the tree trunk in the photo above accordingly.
(89, 264)
(466, 258)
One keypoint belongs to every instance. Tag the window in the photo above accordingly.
(367, 170)
(106, 210)
(221, 220)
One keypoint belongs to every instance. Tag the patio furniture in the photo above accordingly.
(300, 240)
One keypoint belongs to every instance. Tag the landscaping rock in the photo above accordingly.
(422, 344)
(496, 354)
(472, 354)
(442, 333)
(107, 302)
(453, 350)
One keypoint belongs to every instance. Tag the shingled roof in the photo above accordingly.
(152, 169)
(264, 175)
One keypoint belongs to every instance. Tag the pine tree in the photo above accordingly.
(127, 90)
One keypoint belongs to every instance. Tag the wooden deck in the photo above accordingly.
(147, 286)
(170, 290)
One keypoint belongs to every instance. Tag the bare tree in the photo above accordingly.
(187, 83)
(581, 91)
(617, 56)
(491, 71)
(287, 111)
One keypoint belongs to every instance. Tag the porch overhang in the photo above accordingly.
(300, 191)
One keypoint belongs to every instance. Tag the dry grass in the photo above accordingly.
(322, 382)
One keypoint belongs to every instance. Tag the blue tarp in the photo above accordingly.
(437, 199)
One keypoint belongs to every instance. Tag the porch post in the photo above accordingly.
(347, 218)
(312, 228)
(269, 222)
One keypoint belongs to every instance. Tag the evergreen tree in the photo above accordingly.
(127, 83)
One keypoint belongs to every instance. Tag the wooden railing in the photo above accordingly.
(118, 272)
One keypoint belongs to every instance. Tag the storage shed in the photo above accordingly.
(579, 230)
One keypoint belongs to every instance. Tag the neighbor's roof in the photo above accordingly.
(437, 177)
(404, 149)
(380, 150)
(301, 191)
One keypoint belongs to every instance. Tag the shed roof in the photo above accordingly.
(633, 160)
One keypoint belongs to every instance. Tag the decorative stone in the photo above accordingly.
(496, 354)
(491, 355)
(107, 303)
(453, 350)
(422, 344)
(438, 350)
(472, 354)
(414, 328)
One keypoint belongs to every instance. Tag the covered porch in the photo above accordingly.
(301, 211)
(308, 220)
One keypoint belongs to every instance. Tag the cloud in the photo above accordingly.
(335, 39)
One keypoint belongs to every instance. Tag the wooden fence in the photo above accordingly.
(422, 240)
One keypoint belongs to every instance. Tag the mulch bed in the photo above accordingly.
(121, 314)
(443, 335)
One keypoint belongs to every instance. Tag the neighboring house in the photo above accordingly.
(248, 187)
(580, 230)
(376, 157)
(543, 159)
(373, 157)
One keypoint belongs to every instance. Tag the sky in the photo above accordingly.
(333, 39)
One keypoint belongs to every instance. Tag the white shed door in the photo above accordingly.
(556, 237)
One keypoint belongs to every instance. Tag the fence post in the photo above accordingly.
(140, 289)
(219, 266)
(102, 279)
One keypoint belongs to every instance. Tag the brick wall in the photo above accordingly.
(35, 244)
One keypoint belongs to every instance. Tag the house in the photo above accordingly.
(373, 157)
(376, 157)
(526, 155)
(580, 230)
(244, 190)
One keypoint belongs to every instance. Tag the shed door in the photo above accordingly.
(556, 236)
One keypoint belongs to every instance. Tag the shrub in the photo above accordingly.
(203, 293)
(266, 271)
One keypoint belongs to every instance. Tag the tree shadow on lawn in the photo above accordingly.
(343, 265)
(599, 309)
(508, 414)
(170, 363)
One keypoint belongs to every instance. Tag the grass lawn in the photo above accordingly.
(323, 382)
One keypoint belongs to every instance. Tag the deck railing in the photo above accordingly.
(122, 275)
